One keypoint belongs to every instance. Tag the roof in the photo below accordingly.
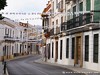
(6, 23)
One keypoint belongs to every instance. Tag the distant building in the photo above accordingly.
(16, 38)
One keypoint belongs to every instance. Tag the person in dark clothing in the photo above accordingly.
(5, 66)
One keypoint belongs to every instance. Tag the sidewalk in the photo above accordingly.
(75, 69)
(1, 68)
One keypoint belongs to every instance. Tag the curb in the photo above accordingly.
(63, 66)
(19, 57)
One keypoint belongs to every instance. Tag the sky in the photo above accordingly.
(26, 6)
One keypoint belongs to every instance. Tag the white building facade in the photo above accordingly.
(14, 39)
(77, 43)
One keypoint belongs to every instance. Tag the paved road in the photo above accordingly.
(27, 66)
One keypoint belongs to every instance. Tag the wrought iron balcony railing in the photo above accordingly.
(80, 20)
(46, 33)
(46, 30)
(8, 37)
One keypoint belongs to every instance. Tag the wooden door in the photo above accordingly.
(78, 50)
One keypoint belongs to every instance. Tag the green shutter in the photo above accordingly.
(67, 48)
(80, 9)
(86, 48)
(81, 6)
(97, 7)
(74, 10)
(68, 15)
(73, 48)
(95, 48)
(88, 5)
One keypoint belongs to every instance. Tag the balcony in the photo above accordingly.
(46, 33)
(78, 21)
(8, 38)
(52, 32)
(46, 30)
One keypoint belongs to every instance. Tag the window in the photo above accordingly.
(88, 8)
(56, 3)
(43, 23)
(53, 8)
(7, 50)
(61, 19)
(4, 50)
(67, 47)
(10, 32)
(95, 48)
(74, 14)
(88, 5)
(52, 49)
(25, 46)
(57, 22)
(96, 7)
(68, 14)
(20, 48)
(13, 33)
(81, 6)
(47, 21)
(53, 24)
(86, 48)
(61, 42)
(20, 34)
(81, 16)
(17, 47)
(5, 31)
(12, 50)
(74, 10)
(49, 51)
(61, 4)
(73, 47)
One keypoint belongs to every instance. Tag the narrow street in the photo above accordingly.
(27, 66)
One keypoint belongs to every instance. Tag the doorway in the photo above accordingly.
(78, 50)
(56, 51)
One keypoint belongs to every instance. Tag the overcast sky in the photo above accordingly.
(27, 6)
